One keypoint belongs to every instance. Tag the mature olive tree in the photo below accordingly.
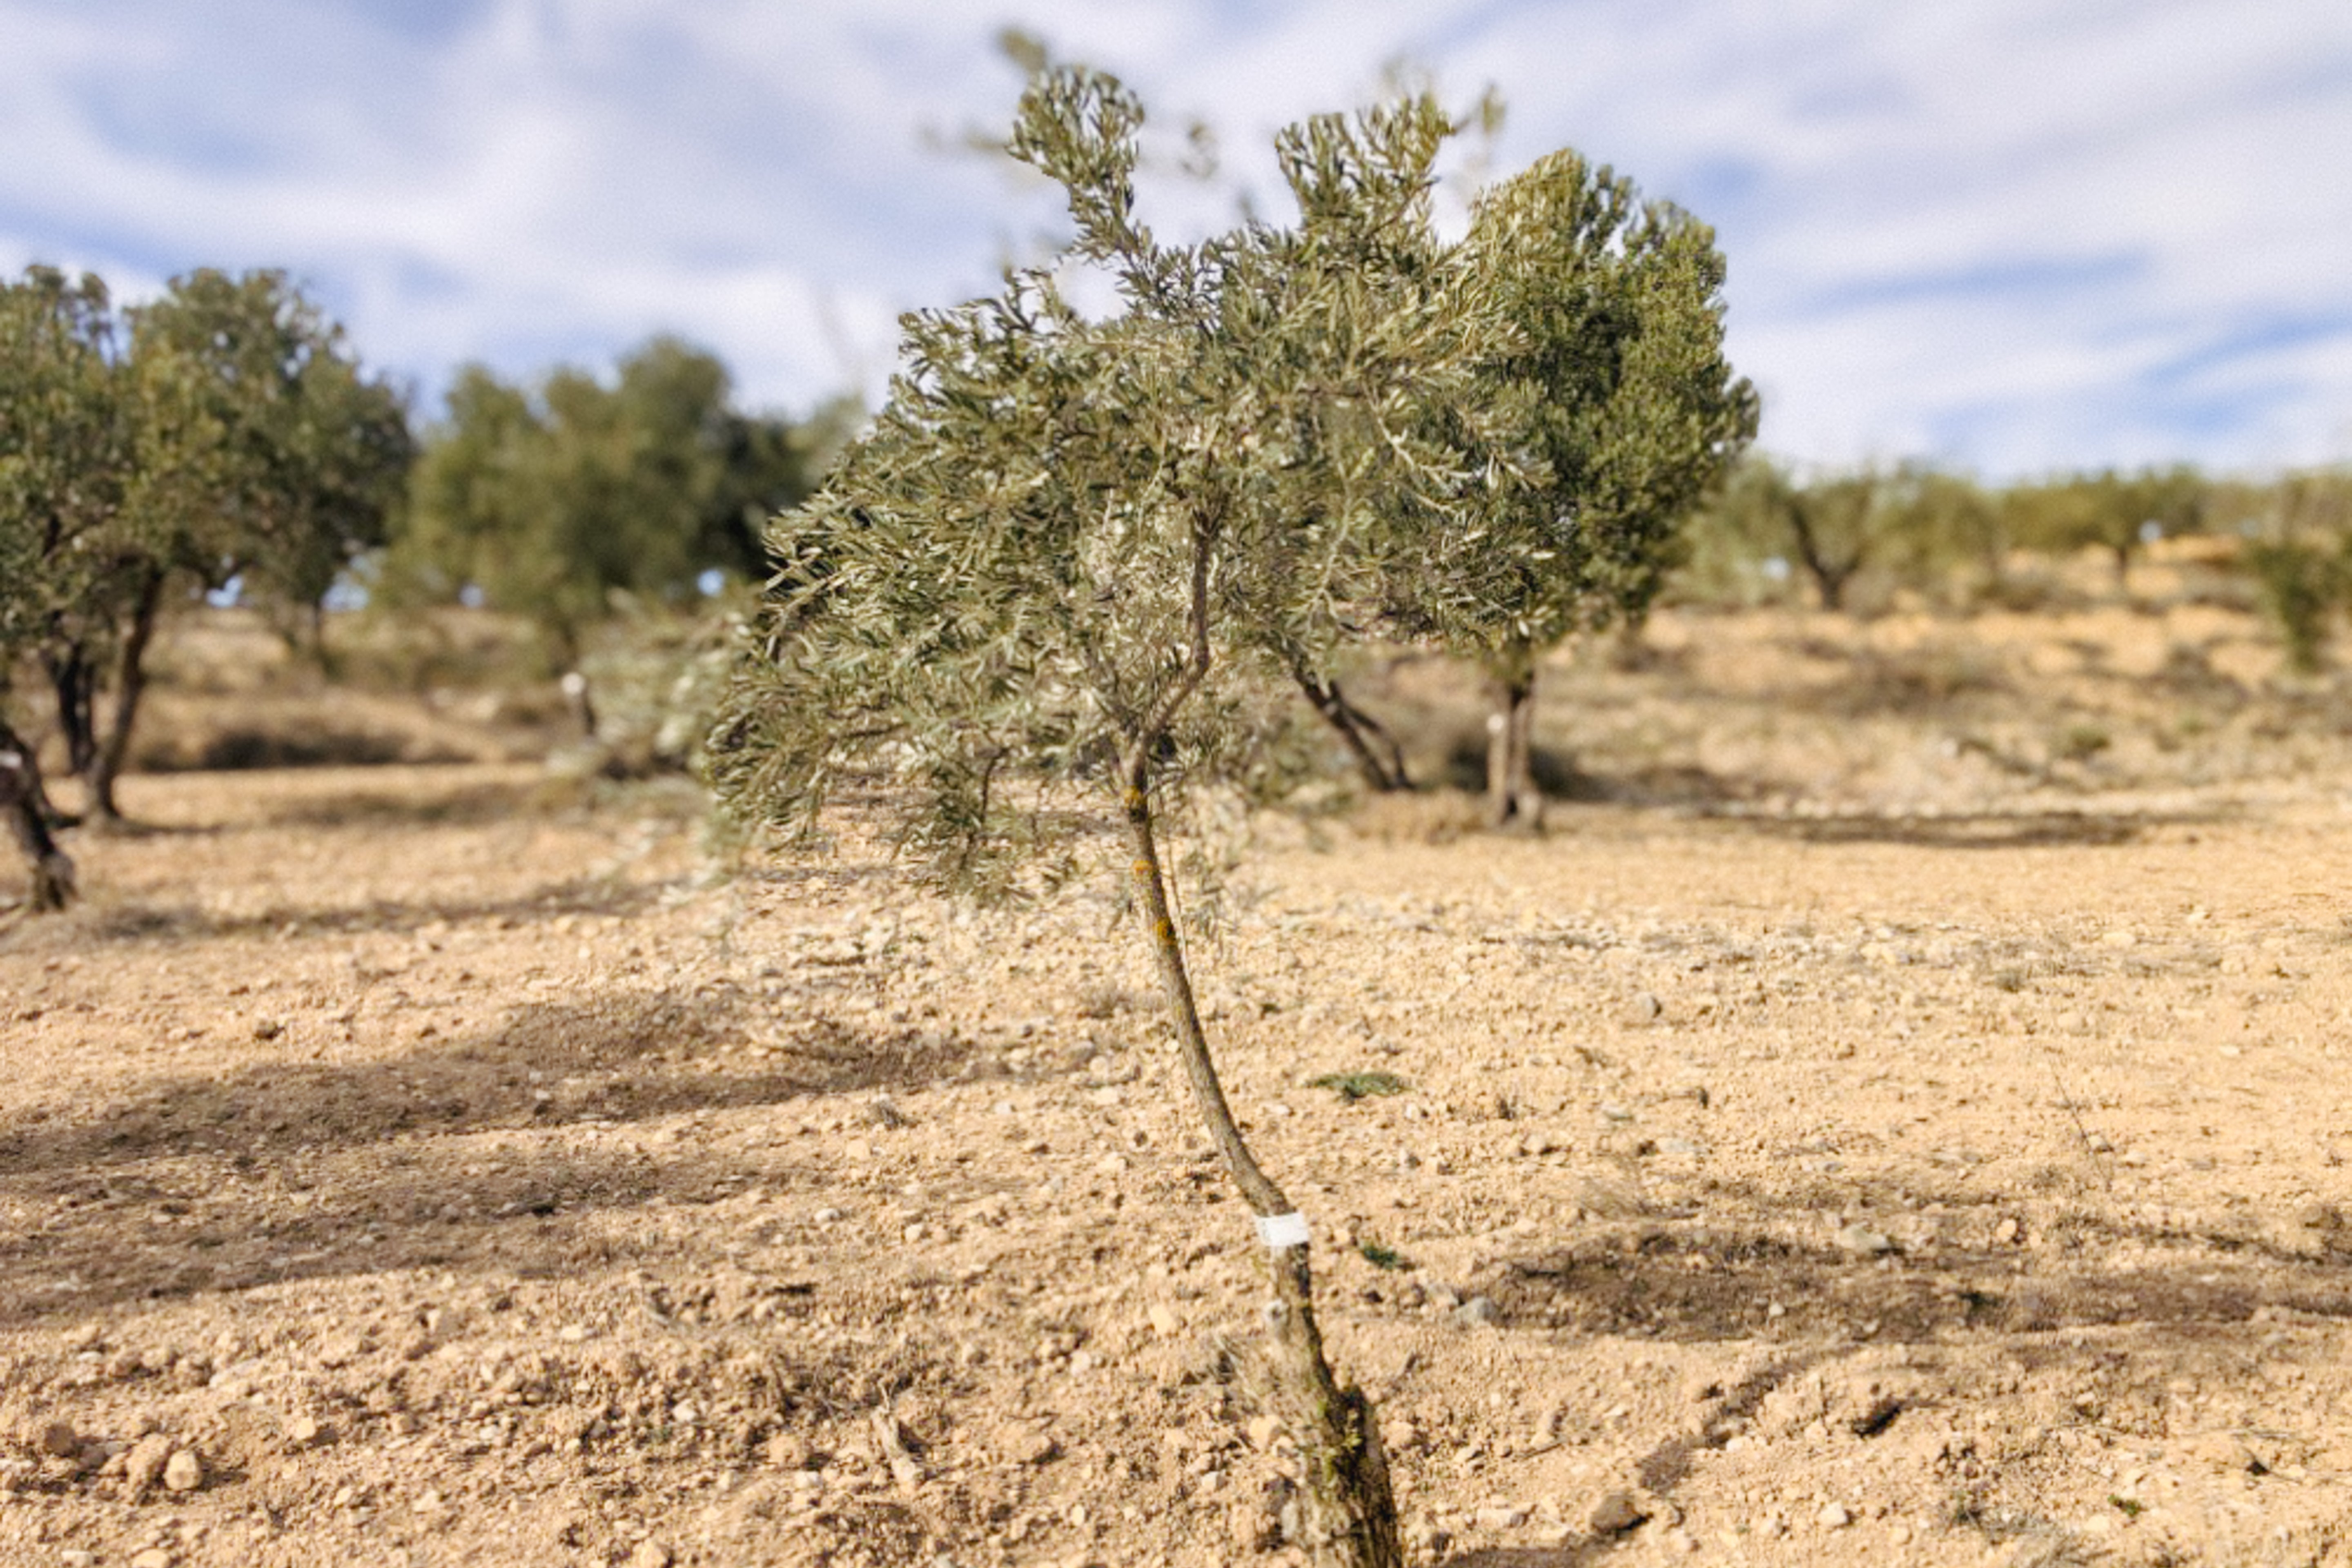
(23, 803)
(550, 499)
(66, 459)
(2113, 510)
(1072, 550)
(1625, 403)
(251, 449)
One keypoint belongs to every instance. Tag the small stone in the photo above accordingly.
(1644, 1008)
(1026, 1444)
(143, 1466)
(1262, 1431)
(1501, 1516)
(2007, 1232)
(306, 1432)
(153, 1557)
(1476, 1312)
(59, 1440)
(1863, 1241)
(183, 1471)
(1833, 1516)
(77, 1557)
(573, 1333)
(650, 1554)
(1164, 1320)
(1614, 1514)
(267, 1029)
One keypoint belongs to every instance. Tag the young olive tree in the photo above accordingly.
(1071, 551)
(1624, 414)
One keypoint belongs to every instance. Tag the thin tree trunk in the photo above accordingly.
(1377, 755)
(1512, 798)
(130, 686)
(25, 803)
(1348, 1515)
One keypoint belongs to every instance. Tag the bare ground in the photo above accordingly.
(1879, 1124)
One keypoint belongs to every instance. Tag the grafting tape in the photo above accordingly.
(1282, 1230)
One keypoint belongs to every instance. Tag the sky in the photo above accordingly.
(2007, 235)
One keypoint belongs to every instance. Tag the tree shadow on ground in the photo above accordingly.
(1820, 1304)
(114, 923)
(1973, 830)
(286, 1170)
(1762, 1287)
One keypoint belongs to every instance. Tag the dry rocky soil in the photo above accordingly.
(1895, 1114)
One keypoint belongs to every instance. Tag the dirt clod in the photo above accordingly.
(1614, 1514)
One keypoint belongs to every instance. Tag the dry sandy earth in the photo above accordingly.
(1929, 1151)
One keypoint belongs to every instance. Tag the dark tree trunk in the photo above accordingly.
(576, 696)
(26, 806)
(1378, 757)
(1512, 798)
(130, 686)
(73, 687)
(1348, 1507)
(1830, 575)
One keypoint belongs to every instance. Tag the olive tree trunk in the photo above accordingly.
(1348, 1517)
(1378, 759)
(1512, 798)
(130, 686)
(73, 689)
(26, 806)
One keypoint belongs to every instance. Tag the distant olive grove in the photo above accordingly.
(550, 501)
(225, 439)
(1861, 540)
(221, 433)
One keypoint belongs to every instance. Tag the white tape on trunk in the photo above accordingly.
(1279, 1231)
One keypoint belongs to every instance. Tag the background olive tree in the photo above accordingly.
(548, 502)
(66, 457)
(244, 446)
(1619, 412)
(2116, 512)
(1852, 535)
(1071, 554)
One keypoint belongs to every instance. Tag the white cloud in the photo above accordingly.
(1997, 231)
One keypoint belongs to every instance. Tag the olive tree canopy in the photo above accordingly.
(548, 501)
(1629, 413)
